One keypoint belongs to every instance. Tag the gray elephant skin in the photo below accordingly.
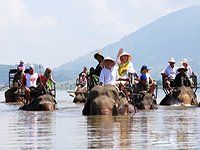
(80, 95)
(104, 100)
(44, 102)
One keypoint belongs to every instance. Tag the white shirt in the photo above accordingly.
(148, 76)
(108, 76)
(31, 80)
(170, 72)
(189, 71)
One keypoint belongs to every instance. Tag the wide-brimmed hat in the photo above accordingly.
(126, 54)
(171, 60)
(182, 68)
(108, 59)
(184, 61)
(98, 54)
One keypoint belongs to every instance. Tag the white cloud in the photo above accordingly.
(14, 14)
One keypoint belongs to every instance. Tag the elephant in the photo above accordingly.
(104, 100)
(145, 101)
(181, 95)
(15, 94)
(45, 102)
(80, 95)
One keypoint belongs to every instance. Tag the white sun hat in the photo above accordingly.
(126, 54)
(171, 60)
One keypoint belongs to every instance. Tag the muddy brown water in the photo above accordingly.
(174, 127)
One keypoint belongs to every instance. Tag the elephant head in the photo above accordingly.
(80, 95)
(147, 102)
(103, 100)
(186, 95)
(103, 105)
(44, 102)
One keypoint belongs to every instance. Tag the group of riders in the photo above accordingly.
(31, 81)
(121, 74)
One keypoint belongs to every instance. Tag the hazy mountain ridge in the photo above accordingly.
(174, 35)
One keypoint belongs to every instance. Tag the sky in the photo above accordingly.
(54, 32)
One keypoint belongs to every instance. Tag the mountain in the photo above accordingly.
(174, 35)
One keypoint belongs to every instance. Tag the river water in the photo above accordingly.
(168, 127)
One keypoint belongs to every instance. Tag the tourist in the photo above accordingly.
(21, 65)
(185, 63)
(108, 74)
(50, 80)
(82, 82)
(30, 80)
(149, 81)
(125, 67)
(169, 73)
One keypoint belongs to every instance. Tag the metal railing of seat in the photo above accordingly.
(164, 87)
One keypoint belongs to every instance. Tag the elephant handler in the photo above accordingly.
(181, 78)
(109, 73)
(93, 78)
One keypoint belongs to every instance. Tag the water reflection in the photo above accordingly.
(30, 130)
(66, 128)
(109, 132)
